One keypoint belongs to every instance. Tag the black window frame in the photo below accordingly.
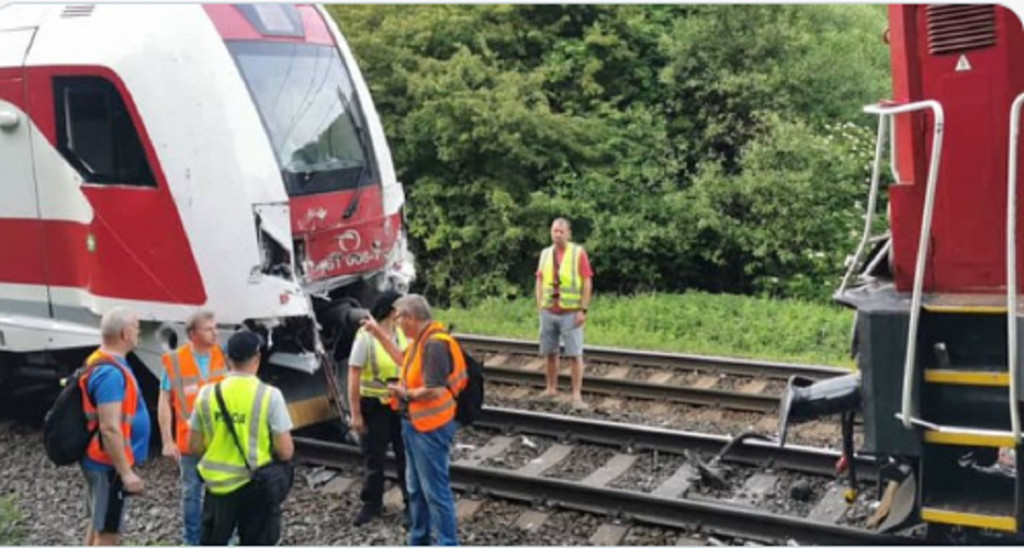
(122, 143)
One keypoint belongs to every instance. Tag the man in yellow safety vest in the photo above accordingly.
(563, 291)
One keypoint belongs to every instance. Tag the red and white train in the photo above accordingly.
(172, 157)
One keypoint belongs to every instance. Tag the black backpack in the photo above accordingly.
(66, 433)
(470, 401)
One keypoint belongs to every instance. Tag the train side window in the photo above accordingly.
(96, 135)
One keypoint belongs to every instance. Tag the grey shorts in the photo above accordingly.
(560, 326)
(105, 500)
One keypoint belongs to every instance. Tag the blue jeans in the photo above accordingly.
(430, 490)
(191, 498)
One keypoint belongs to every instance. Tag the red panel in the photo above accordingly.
(141, 249)
(21, 241)
(316, 28)
(967, 248)
(337, 246)
(231, 24)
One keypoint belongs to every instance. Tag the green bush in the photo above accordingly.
(655, 129)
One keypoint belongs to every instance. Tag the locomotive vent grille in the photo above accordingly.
(955, 28)
(78, 10)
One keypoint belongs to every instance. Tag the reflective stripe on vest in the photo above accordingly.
(373, 379)
(222, 465)
(129, 406)
(430, 415)
(186, 380)
(570, 282)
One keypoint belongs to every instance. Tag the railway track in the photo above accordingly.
(727, 383)
(606, 468)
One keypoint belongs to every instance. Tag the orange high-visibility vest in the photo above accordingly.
(429, 415)
(129, 405)
(183, 373)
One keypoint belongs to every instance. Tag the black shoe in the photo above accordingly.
(365, 516)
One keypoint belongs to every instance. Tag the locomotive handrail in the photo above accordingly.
(893, 168)
(922, 247)
(1011, 265)
(869, 213)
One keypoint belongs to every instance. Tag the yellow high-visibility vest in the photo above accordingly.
(379, 367)
(222, 465)
(570, 282)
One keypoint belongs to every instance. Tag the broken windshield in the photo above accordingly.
(309, 108)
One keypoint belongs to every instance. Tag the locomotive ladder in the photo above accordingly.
(1001, 502)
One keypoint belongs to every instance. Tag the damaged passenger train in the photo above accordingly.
(175, 157)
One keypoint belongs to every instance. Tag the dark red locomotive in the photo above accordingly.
(936, 348)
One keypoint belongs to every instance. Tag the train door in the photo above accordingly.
(23, 289)
(112, 226)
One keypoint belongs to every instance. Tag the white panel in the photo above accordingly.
(58, 184)
(29, 334)
(13, 45)
(18, 16)
(22, 292)
(16, 184)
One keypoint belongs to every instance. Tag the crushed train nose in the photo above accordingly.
(806, 399)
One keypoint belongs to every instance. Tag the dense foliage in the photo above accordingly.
(693, 146)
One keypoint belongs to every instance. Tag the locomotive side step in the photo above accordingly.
(953, 303)
(967, 377)
(967, 486)
(970, 437)
(964, 436)
(969, 519)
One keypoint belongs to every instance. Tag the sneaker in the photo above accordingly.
(365, 516)
(580, 405)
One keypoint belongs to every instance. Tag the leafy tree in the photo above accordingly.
(668, 134)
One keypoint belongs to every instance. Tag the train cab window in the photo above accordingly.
(96, 134)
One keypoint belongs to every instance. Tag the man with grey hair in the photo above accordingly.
(114, 406)
(432, 375)
(563, 291)
(194, 364)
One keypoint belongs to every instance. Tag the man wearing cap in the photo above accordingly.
(263, 427)
(187, 369)
(370, 368)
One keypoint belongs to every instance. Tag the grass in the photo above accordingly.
(11, 528)
(697, 323)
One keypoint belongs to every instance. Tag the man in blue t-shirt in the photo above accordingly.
(108, 467)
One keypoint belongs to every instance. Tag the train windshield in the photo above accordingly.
(311, 113)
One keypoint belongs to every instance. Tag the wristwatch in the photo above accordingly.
(584, 310)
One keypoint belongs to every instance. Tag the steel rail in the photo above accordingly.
(809, 460)
(667, 360)
(677, 513)
(761, 403)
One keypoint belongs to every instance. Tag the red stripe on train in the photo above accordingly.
(232, 25)
(140, 249)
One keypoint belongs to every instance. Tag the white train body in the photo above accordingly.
(174, 157)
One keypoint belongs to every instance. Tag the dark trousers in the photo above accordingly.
(258, 521)
(383, 426)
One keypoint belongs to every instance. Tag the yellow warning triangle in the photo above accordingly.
(963, 64)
